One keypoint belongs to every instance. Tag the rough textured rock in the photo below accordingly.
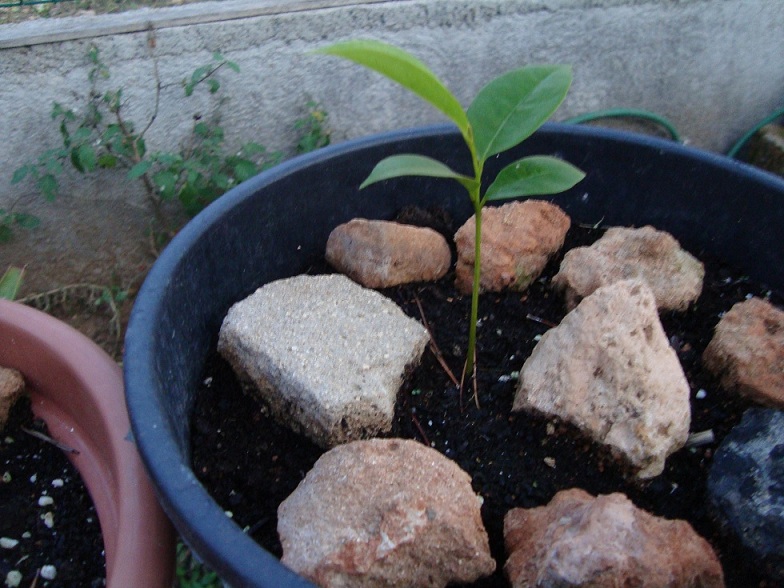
(746, 487)
(674, 275)
(517, 240)
(380, 254)
(747, 351)
(327, 355)
(11, 388)
(604, 541)
(388, 513)
(609, 369)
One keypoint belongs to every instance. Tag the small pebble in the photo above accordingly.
(45, 501)
(48, 519)
(8, 543)
(701, 394)
(13, 578)
(57, 483)
(33, 478)
(549, 462)
(48, 572)
(7, 477)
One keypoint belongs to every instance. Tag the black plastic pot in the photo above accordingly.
(276, 224)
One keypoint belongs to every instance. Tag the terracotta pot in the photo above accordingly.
(77, 390)
(276, 225)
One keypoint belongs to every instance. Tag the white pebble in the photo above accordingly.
(33, 478)
(48, 519)
(8, 543)
(13, 578)
(57, 483)
(701, 394)
(45, 501)
(7, 477)
(48, 572)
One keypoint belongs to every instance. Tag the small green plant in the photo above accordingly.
(313, 130)
(191, 573)
(102, 138)
(504, 113)
(10, 282)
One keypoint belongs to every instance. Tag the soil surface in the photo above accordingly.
(250, 464)
(33, 471)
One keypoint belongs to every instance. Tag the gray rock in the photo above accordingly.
(747, 351)
(674, 275)
(518, 239)
(385, 513)
(608, 368)
(381, 254)
(327, 355)
(746, 487)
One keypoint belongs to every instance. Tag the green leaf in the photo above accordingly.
(233, 66)
(406, 70)
(10, 282)
(533, 176)
(107, 161)
(244, 169)
(139, 170)
(48, 186)
(412, 165)
(511, 107)
(81, 135)
(26, 221)
(166, 182)
(20, 174)
(87, 157)
(214, 85)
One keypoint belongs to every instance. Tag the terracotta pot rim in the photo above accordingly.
(78, 390)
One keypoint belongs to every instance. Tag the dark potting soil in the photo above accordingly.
(69, 538)
(250, 464)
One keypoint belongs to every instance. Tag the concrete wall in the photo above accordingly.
(713, 67)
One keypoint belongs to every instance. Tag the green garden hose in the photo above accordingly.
(627, 113)
(733, 152)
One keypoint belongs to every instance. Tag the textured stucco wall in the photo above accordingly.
(713, 67)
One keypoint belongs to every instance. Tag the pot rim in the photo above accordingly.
(77, 389)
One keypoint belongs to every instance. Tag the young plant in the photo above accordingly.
(504, 113)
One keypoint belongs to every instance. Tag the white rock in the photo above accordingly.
(327, 355)
(48, 572)
(8, 543)
(609, 369)
(13, 578)
(673, 275)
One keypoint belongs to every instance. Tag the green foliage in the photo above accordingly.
(191, 573)
(10, 282)
(9, 220)
(101, 138)
(313, 130)
(503, 114)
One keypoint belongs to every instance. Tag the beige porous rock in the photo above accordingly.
(608, 368)
(387, 513)
(604, 541)
(11, 387)
(381, 254)
(673, 274)
(518, 239)
(747, 351)
(326, 355)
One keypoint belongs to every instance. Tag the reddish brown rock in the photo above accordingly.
(517, 241)
(384, 512)
(608, 368)
(579, 540)
(674, 275)
(11, 388)
(747, 351)
(380, 254)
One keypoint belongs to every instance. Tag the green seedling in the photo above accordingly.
(504, 113)
(10, 282)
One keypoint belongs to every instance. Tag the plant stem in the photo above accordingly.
(474, 291)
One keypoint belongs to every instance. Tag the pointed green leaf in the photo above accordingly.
(139, 170)
(48, 186)
(20, 174)
(511, 107)
(411, 165)
(534, 176)
(406, 70)
(10, 282)
(87, 157)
